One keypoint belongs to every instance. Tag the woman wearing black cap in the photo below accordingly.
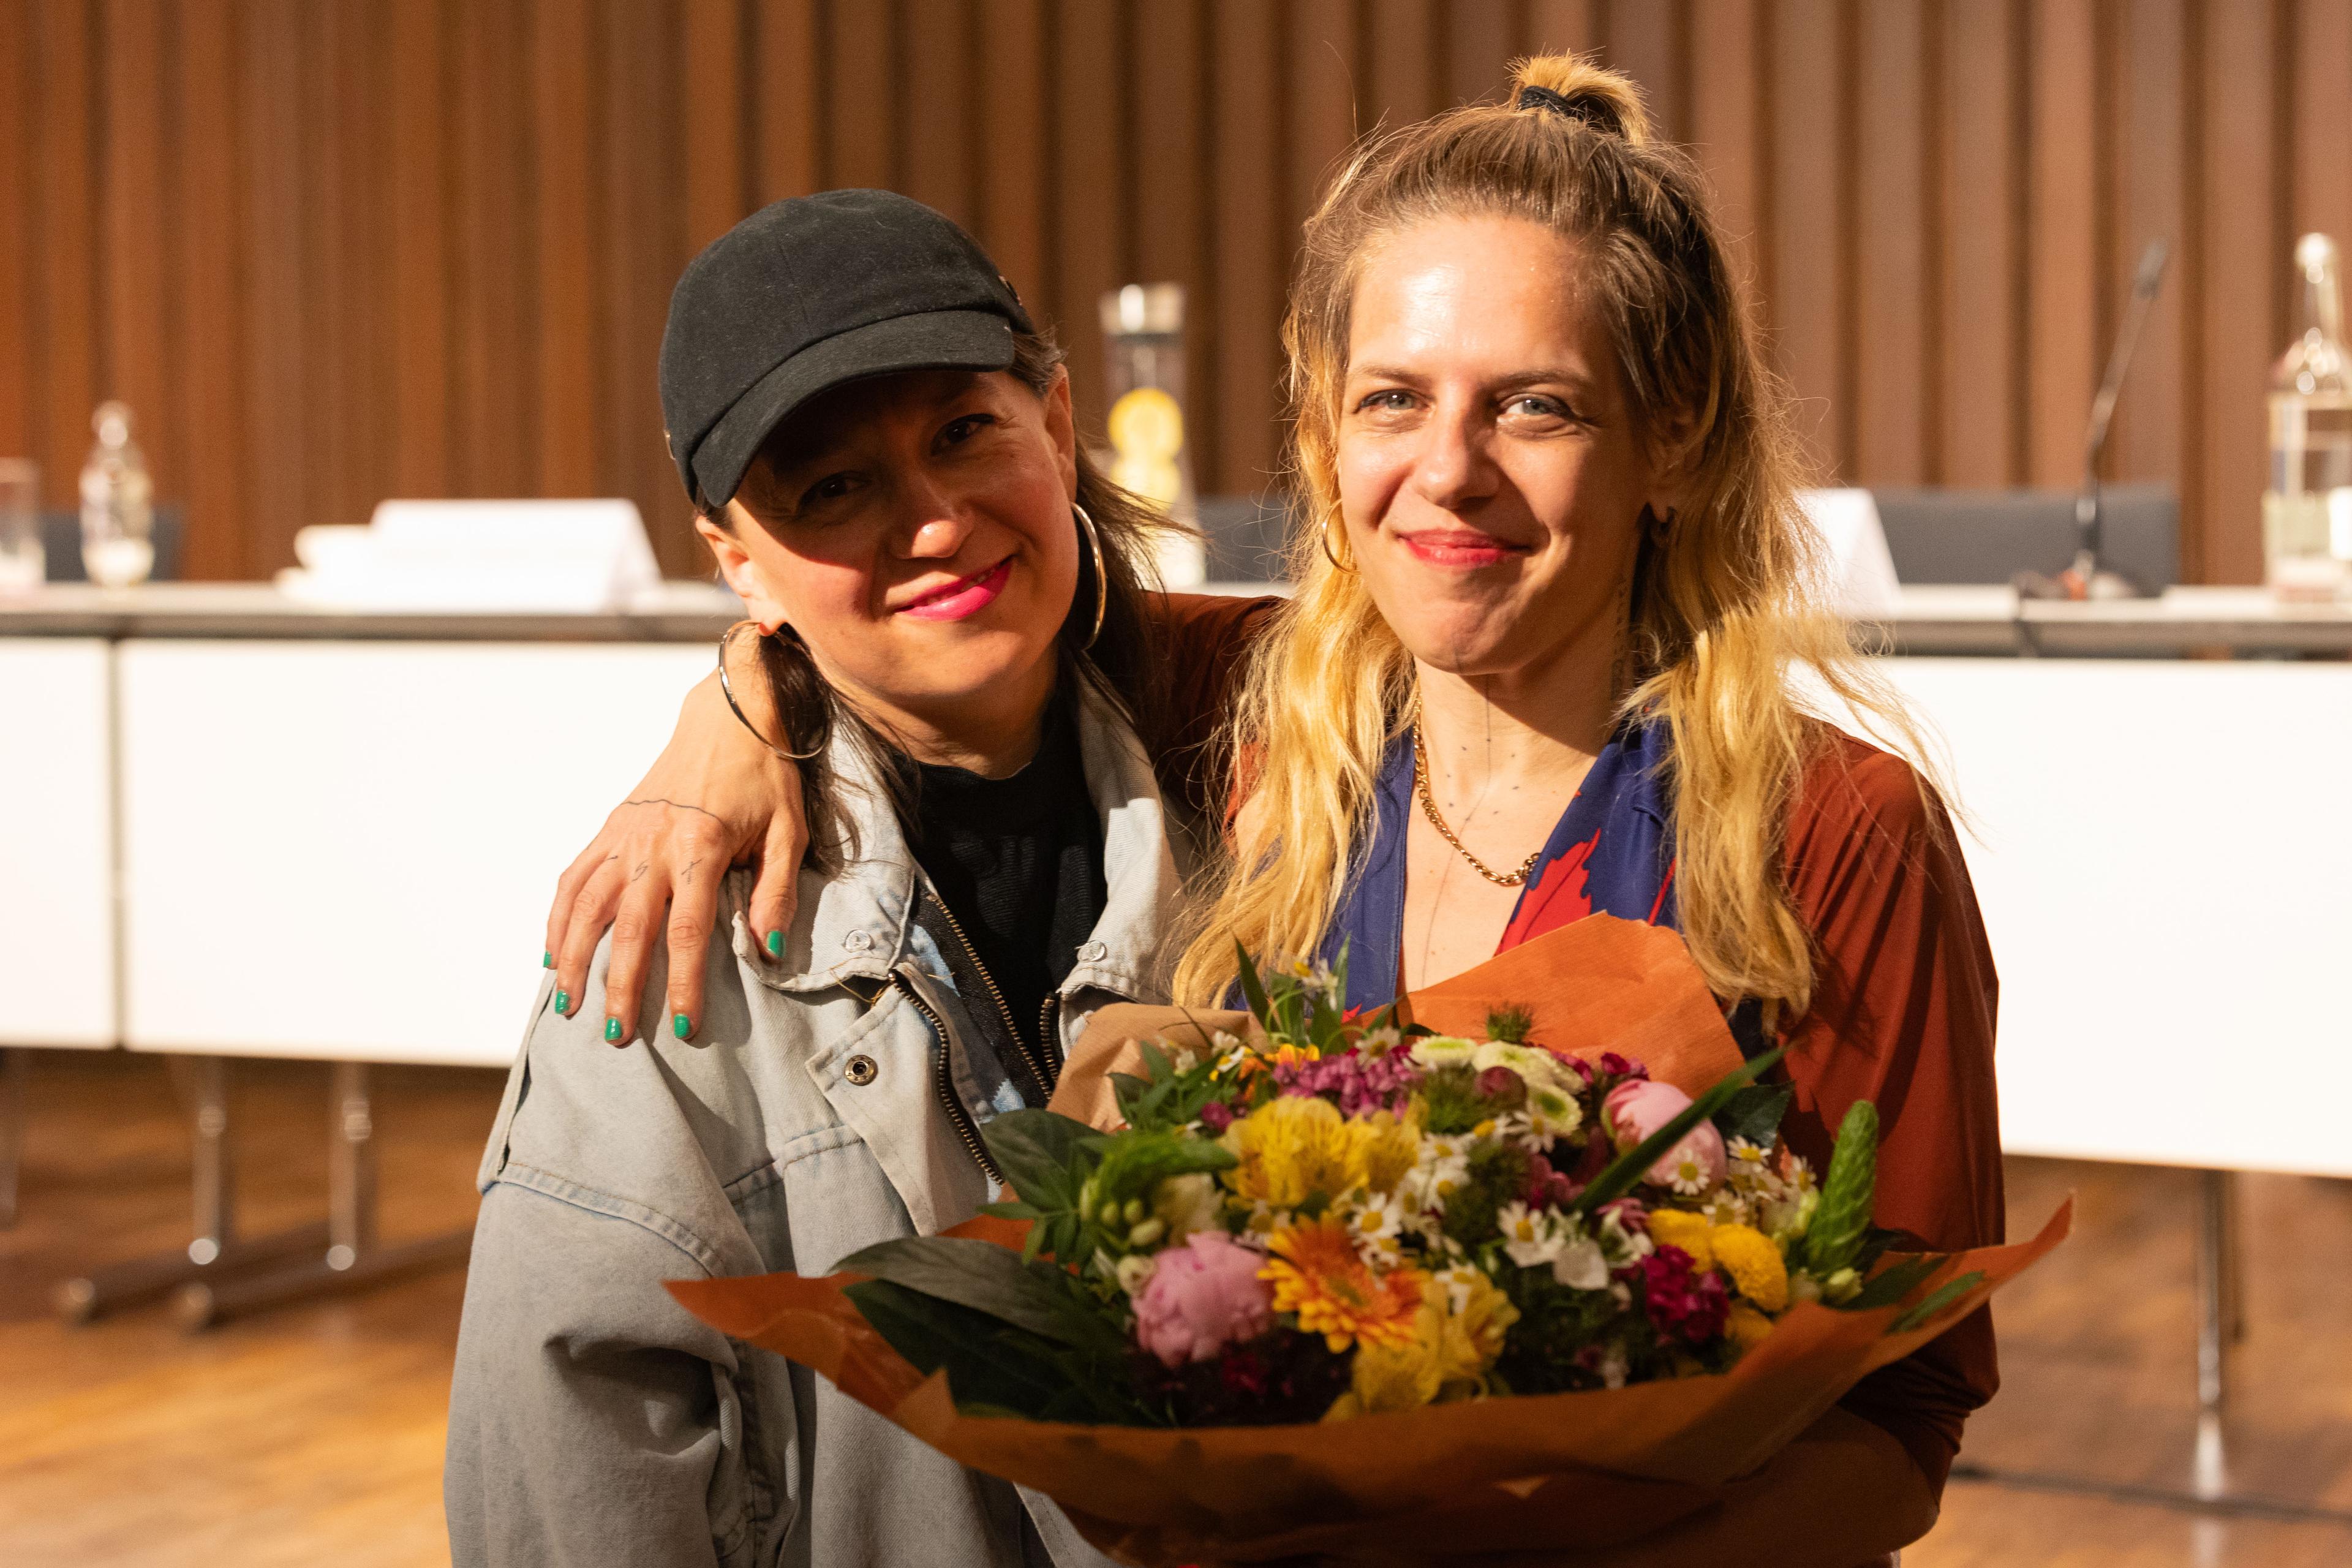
(880, 449)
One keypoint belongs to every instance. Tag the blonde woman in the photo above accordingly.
(1551, 599)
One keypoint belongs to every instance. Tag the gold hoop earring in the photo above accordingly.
(1102, 578)
(727, 689)
(1324, 538)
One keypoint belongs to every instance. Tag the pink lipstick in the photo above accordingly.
(1463, 549)
(968, 596)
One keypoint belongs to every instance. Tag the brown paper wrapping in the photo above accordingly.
(1558, 1471)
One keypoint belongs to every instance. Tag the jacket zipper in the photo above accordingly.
(957, 1111)
(1028, 1055)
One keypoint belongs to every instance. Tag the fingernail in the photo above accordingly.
(612, 1030)
(681, 1025)
(775, 944)
(563, 1003)
(547, 960)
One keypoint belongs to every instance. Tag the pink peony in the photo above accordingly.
(1637, 1109)
(1201, 1297)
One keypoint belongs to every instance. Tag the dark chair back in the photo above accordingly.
(61, 544)
(1989, 536)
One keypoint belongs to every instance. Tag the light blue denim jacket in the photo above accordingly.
(592, 1419)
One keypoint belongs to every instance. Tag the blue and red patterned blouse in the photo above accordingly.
(1611, 852)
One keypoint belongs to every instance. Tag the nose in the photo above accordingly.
(1453, 468)
(932, 526)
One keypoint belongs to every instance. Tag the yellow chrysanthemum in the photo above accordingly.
(1754, 1263)
(1293, 1148)
(1317, 1273)
(1386, 1150)
(1746, 1327)
(1474, 1317)
(1396, 1377)
(1675, 1227)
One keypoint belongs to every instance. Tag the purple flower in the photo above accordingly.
(1547, 1188)
(1216, 1116)
(1615, 1066)
(1503, 1089)
(1359, 1085)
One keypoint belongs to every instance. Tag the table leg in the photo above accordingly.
(352, 1258)
(2221, 1322)
(16, 1067)
(214, 1249)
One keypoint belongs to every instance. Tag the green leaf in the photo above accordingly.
(1891, 1284)
(1754, 1114)
(1618, 1177)
(1036, 1151)
(988, 1362)
(1923, 1314)
(980, 1275)
(1252, 988)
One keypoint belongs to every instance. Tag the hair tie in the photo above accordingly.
(1584, 111)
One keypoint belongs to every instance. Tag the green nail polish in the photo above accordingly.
(775, 944)
(547, 960)
(681, 1025)
(563, 1003)
(612, 1030)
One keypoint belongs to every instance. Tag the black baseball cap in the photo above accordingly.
(805, 295)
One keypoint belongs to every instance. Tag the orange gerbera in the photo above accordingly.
(1317, 1273)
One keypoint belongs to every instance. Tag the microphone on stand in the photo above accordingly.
(2086, 579)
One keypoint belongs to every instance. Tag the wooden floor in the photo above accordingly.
(313, 1435)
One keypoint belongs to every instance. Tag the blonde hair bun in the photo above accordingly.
(1606, 99)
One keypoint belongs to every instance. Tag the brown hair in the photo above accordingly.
(1119, 663)
(1722, 601)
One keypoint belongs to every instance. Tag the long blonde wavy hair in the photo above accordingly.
(1724, 599)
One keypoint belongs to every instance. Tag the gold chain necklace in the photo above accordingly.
(1429, 809)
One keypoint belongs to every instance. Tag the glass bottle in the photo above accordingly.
(2307, 511)
(21, 561)
(117, 515)
(1143, 343)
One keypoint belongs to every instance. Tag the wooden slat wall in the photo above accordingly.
(335, 252)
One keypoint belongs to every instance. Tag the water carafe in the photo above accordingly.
(2307, 511)
(118, 514)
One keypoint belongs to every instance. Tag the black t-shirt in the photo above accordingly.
(1019, 861)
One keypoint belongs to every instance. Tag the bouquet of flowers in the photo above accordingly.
(1306, 1221)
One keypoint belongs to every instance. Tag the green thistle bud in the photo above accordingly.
(1835, 1238)
(1510, 1024)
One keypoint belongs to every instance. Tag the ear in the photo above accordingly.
(1674, 445)
(1062, 429)
(743, 574)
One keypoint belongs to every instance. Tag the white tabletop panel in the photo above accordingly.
(57, 916)
(2166, 871)
(347, 850)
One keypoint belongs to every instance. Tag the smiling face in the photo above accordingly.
(1491, 474)
(916, 531)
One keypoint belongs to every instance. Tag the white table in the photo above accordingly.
(253, 827)
(338, 832)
